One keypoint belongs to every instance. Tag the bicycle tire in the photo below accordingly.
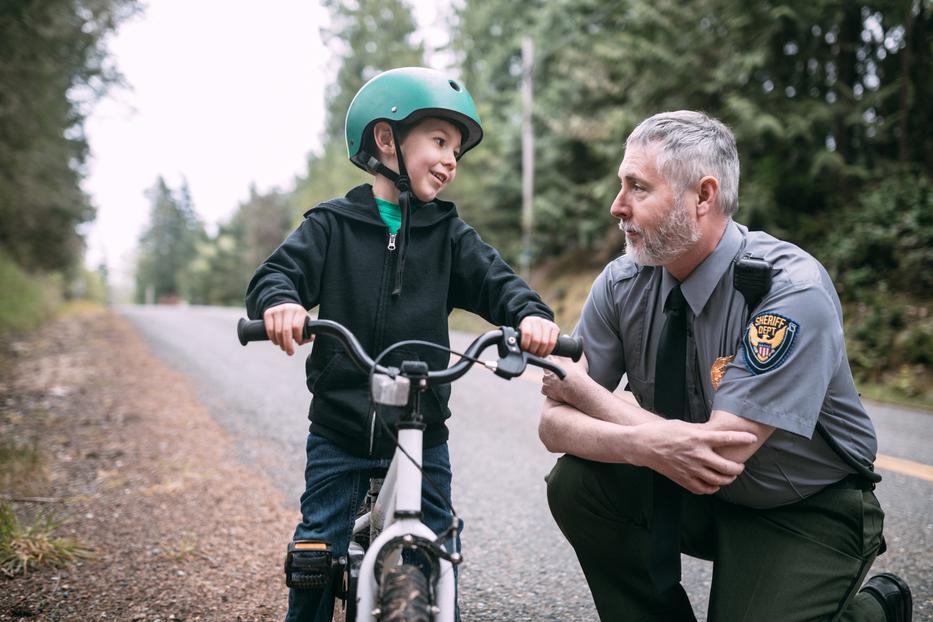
(343, 611)
(404, 595)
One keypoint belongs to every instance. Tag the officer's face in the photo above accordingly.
(657, 223)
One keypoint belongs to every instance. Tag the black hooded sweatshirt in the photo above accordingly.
(339, 258)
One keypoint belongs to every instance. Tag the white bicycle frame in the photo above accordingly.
(399, 500)
(401, 492)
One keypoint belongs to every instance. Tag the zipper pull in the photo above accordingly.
(391, 246)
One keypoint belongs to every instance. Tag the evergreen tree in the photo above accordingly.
(830, 103)
(222, 265)
(169, 244)
(822, 97)
(265, 221)
(371, 36)
(487, 40)
(53, 65)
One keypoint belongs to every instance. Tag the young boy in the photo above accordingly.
(389, 262)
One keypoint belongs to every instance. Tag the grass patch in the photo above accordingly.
(30, 545)
(893, 395)
(81, 308)
(22, 466)
(26, 301)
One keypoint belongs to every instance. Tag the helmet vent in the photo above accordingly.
(454, 86)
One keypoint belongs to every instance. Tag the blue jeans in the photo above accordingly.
(335, 484)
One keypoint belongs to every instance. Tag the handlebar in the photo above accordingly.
(255, 330)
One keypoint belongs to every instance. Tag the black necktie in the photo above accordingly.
(670, 390)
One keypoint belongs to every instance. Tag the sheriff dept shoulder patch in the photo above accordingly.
(768, 340)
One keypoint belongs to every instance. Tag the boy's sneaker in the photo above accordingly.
(894, 595)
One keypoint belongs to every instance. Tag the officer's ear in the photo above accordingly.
(707, 196)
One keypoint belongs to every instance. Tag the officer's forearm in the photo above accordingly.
(564, 429)
(722, 420)
(628, 412)
(599, 403)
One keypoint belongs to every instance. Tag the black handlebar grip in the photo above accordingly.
(251, 330)
(571, 347)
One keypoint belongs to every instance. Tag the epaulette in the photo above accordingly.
(623, 268)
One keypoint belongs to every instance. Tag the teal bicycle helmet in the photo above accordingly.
(403, 96)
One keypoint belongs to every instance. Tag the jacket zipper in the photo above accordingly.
(377, 333)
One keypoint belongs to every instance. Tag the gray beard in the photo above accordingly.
(674, 235)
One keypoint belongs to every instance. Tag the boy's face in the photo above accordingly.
(431, 149)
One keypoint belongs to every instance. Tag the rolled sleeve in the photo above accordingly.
(787, 357)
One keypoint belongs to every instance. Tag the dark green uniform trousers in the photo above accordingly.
(804, 561)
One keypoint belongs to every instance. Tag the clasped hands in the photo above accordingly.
(686, 453)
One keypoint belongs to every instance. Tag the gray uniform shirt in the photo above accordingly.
(789, 368)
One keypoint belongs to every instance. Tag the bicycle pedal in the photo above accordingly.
(309, 564)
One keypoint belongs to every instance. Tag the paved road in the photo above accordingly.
(518, 567)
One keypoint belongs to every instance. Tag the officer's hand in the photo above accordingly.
(285, 325)
(571, 389)
(539, 335)
(684, 452)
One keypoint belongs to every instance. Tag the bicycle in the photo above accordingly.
(396, 568)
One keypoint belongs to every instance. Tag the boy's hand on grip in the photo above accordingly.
(285, 325)
(539, 335)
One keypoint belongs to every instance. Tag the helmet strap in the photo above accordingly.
(403, 183)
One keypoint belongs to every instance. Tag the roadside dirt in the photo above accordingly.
(125, 454)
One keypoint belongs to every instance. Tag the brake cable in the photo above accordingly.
(455, 520)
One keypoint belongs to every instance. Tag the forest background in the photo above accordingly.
(830, 102)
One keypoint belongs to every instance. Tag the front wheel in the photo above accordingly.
(404, 595)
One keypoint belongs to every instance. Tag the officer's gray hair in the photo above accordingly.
(692, 146)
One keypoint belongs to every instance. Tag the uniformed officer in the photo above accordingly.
(743, 381)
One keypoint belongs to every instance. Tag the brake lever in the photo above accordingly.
(511, 365)
(512, 361)
(543, 363)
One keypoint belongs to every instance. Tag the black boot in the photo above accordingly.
(893, 594)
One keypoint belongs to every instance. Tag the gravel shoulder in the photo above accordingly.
(126, 456)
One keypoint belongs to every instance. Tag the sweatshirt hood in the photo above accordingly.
(360, 204)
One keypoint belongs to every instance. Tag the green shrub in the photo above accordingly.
(26, 300)
(880, 254)
(884, 244)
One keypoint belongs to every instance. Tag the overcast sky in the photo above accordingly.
(224, 93)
